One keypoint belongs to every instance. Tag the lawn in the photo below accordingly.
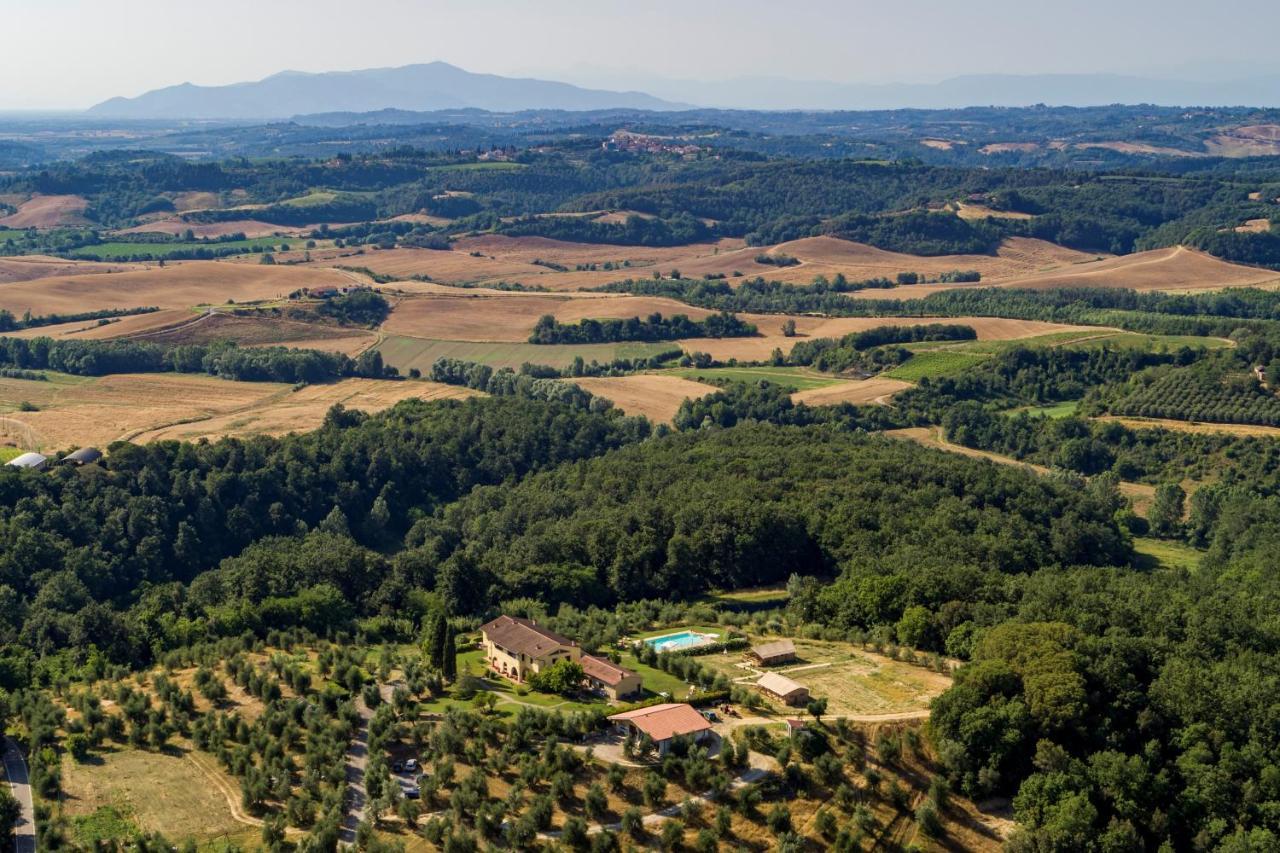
(406, 352)
(934, 364)
(790, 378)
(1167, 554)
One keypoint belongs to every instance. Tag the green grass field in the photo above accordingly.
(1167, 554)
(405, 352)
(8, 453)
(935, 364)
(126, 249)
(791, 378)
(1053, 410)
(10, 234)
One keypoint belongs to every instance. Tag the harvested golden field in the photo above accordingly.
(1176, 268)
(1010, 148)
(1139, 148)
(304, 410)
(969, 210)
(1255, 226)
(252, 330)
(1257, 140)
(1194, 426)
(770, 325)
(858, 391)
(32, 267)
(48, 211)
(122, 327)
(450, 267)
(177, 285)
(75, 411)
(195, 200)
(1017, 257)
(251, 228)
(466, 316)
(656, 396)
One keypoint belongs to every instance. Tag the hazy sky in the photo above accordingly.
(74, 53)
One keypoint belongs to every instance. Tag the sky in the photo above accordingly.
(70, 54)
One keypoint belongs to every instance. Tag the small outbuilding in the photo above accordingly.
(83, 456)
(34, 461)
(772, 654)
(664, 723)
(783, 689)
(607, 677)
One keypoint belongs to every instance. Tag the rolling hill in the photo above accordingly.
(430, 86)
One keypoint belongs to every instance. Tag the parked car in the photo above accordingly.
(412, 793)
(397, 767)
(411, 765)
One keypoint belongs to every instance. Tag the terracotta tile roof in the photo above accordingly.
(604, 670)
(778, 648)
(779, 685)
(523, 636)
(661, 722)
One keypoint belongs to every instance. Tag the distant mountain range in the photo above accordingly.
(432, 86)
(439, 86)
(984, 90)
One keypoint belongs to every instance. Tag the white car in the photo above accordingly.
(411, 766)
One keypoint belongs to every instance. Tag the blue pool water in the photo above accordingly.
(680, 641)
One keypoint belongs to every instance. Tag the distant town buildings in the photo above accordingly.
(641, 143)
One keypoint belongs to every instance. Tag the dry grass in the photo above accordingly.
(1140, 148)
(1010, 148)
(258, 331)
(1177, 268)
(855, 682)
(162, 792)
(76, 411)
(1194, 426)
(172, 286)
(858, 392)
(251, 228)
(656, 396)
(32, 267)
(1255, 226)
(463, 316)
(968, 210)
(1258, 140)
(305, 410)
(48, 211)
(761, 347)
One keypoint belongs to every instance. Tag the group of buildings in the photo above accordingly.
(38, 461)
(517, 649)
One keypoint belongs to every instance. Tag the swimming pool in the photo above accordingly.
(681, 641)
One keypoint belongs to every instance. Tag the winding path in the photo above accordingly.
(15, 769)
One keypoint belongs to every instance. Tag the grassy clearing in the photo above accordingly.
(935, 364)
(767, 595)
(127, 789)
(790, 378)
(11, 234)
(108, 823)
(406, 352)
(1053, 410)
(1166, 554)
